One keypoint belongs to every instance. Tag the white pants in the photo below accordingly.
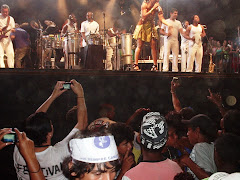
(112, 63)
(161, 44)
(8, 50)
(195, 52)
(185, 53)
(170, 44)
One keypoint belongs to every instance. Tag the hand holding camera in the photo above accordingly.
(77, 88)
(60, 88)
(4, 137)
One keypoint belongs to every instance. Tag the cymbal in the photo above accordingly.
(34, 25)
(50, 23)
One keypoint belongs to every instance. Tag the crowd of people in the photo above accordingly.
(179, 145)
(225, 54)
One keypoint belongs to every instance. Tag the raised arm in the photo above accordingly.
(81, 106)
(175, 100)
(56, 93)
(145, 13)
(137, 112)
(216, 98)
(26, 148)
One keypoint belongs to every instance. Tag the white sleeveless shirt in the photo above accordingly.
(196, 32)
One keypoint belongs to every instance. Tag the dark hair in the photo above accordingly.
(183, 176)
(193, 17)
(227, 148)
(231, 122)
(79, 167)
(173, 10)
(121, 132)
(173, 120)
(187, 113)
(206, 125)
(37, 126)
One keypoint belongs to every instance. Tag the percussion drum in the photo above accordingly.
(74, 40)
(126, 48)
(48, 41)
(94, 39)
(58, 41)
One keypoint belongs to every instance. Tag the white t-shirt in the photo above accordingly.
(176, 27)
(50, 160)
(203, 155)
(89, 28)
(3, 23)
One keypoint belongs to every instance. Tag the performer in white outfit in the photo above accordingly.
(113, 37)
(184, 48)
(7, 24)
(196, 32)
(89, 27)
(171, 40)
(69, 29)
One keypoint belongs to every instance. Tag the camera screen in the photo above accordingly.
(66, 86)
(9, 137)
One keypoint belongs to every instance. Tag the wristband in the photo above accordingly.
(35, 171)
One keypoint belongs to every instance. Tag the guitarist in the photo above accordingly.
(7, 23)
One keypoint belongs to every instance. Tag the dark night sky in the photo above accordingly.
(221, 16)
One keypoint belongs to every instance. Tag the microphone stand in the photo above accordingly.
(104, 35)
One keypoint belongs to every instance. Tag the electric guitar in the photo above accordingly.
(5, 31)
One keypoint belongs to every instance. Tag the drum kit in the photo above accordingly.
(48, 44)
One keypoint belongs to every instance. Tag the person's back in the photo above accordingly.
(22, 38)
(39, 128)
(152, 139)
(166, 169)
(49, 157)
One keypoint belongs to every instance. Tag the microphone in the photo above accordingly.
(103, 13)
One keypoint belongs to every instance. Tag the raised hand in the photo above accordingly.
(77, 88)
(216, 98)
(58, 89)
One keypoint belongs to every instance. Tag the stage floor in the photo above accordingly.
(84, 72)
